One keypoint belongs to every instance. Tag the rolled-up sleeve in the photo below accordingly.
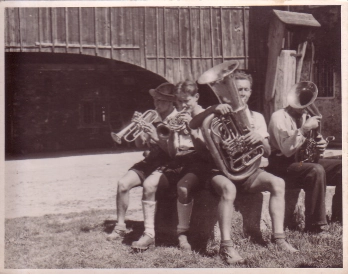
(283, 135)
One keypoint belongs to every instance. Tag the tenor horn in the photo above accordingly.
(302, 96)
(174, 123)
(224, 134)
(134, 129)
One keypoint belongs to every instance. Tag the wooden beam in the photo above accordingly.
(20, 30)
(212, 38)
(83, 46)
(52, 28)
(157, 41)
(164, 42)
(179, 37)
(275, 44)
(66, 30)
(296, 18)
(39, 26)
(111, 34)
(95, 31)
(222, 36)
(80, 29)
(145, 37)
(246, 41)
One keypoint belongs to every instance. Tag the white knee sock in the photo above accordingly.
(149, 210)
(184, 216)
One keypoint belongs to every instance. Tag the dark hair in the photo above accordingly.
(241, 75)
(186, 87)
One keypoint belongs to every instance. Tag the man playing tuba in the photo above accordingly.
(258, 181)
(289, 130)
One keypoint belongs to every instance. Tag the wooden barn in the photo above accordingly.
(73, 75)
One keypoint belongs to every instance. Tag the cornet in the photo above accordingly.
(134, 129)
(174, 123)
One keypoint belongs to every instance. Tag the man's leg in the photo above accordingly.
(149, 203)
(333, 169)
(125, 184)
(265, 181)
(311, 177)
(184, 207)
(227, 191)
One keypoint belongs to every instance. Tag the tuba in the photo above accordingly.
(302, 96)
(174, 123)
(224, 134)
(134, 129)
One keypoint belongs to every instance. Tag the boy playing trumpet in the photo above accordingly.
(141, 172)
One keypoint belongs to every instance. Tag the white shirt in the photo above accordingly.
(258, 123)
(284, 134)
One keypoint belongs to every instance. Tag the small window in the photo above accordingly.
(93, 113)
(323, 74)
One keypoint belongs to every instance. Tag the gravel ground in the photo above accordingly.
(37, 187)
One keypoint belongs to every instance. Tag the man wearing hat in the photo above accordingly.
(164, 98)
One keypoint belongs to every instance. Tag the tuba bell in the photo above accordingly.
(134, 129)
(302, 96)
(224, 134)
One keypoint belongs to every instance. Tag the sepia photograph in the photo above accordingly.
(181, 136)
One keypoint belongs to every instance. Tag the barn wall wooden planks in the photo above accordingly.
(176, 43)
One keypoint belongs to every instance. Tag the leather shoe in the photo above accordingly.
(230, 256)
(144, 242)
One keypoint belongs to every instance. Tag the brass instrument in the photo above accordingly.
(174, 123)
(134, 129)
(224, 134)
(302, 96)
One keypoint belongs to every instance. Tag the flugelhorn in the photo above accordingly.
(302, 96)
(174, 123)
(224, 134)
(134, 129)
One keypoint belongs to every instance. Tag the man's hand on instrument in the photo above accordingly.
(150, 130)
(321, 145)
(223, 109)
(311, 123)
(253, 137)
(136, 117)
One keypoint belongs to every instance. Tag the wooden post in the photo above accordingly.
(285, 78)
(275, 44)
(277, 81)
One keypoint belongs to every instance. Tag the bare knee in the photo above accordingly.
(149, 188)
(123, 186)
(277, 186)
(228, 191)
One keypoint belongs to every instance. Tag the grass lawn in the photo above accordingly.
(78, 240)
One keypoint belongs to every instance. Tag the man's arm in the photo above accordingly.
(287, 139)
(197, 121)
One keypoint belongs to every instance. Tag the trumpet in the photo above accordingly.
(174, 123)
(134, 129)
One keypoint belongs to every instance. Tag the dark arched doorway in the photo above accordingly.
(66, 102)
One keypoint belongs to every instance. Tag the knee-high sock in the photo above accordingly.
(149, 210)
(184, 216)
